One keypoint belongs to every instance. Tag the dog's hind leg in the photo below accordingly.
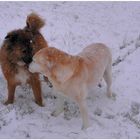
(108, 79)
(11, 92)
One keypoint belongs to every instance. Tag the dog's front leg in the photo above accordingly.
(36, 87)
(59, 106)
(11, 92)
(83, 110)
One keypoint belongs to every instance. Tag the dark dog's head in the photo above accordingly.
(20, 46)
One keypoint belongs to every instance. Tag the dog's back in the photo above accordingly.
(96, 58)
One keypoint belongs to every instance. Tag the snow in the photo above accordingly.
(71, 26)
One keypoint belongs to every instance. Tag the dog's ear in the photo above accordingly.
(8, 36)
(45, 61)
(12, 37)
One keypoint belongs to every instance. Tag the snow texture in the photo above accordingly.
(71, 26)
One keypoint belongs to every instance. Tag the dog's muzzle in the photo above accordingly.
(27, 60)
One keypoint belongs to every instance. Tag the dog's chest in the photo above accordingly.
(22, 76)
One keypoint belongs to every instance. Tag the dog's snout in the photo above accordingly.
(27, 59)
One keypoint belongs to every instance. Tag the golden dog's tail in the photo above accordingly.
(34, 22)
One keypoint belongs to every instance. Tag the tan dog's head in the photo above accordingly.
(47, 58)
(38, 63)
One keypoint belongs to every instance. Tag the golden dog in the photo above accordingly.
(73, 75)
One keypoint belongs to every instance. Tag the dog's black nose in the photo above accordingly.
(27, 59)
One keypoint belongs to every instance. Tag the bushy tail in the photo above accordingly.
(34, 22)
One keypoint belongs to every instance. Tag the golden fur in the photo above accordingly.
(16, 53)
(73, 75)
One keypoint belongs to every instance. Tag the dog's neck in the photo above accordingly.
(62, 73)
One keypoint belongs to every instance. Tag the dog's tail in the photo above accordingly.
(34, 22)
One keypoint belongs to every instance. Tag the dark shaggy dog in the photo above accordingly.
(16, 54)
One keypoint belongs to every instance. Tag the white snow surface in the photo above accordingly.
(71, 26)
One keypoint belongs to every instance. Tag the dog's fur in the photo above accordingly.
(73, 75)
(16, 53)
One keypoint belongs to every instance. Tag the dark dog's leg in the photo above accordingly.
(11, 93)
(36, 86)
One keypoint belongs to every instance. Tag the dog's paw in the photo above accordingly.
(84, 127)
(112, 96)
(109, 95)
(8, 102)
(39, 103)
(56, 113)
(50, 85)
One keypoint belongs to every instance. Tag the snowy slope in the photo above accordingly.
(71, 26)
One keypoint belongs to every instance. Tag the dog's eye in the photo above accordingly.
(31, 41)
(24, 51)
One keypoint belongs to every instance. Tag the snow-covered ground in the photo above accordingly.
(71, 26)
